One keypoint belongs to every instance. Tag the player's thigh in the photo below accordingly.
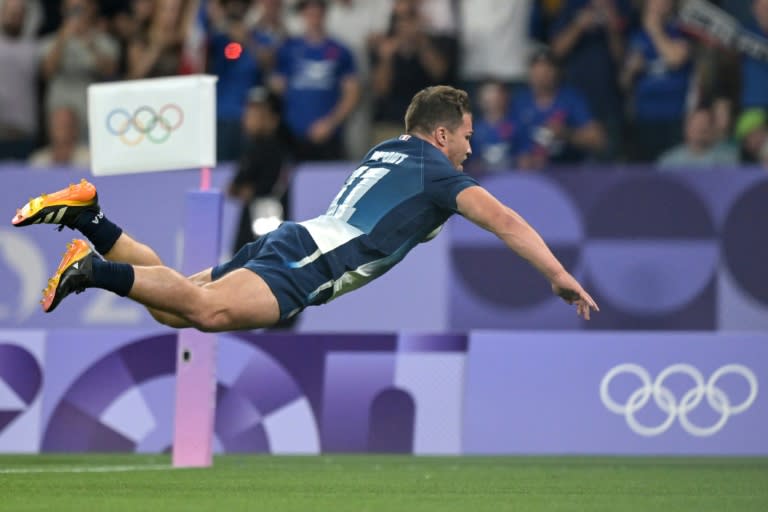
(243, 300)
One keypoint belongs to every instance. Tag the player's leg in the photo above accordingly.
(128, 250)
(238, 300)
(77, 207)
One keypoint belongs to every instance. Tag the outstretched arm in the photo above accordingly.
(482, 208)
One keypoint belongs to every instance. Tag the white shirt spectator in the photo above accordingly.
(18, 99)
(494, 39)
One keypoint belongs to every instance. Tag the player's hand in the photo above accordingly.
(567, 288)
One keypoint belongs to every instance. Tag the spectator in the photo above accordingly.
(754, 92)
(588, 38)
(157, 50)
(441, 23)
(33, 18)
(553, 122)
(494, 131)
(494, 42)
(404, 62)
(129, 23)
(354, 23)
(752, 136)
(700, 149)
(64, 148)
(18, 99)
(75, 56)
(542, 19)
(261, 163)
(657, 73)
(241, 57)
(316, 77)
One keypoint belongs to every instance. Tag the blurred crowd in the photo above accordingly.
(554, 82)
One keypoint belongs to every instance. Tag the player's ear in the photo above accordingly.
(441, 135)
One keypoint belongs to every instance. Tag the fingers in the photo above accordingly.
(584, 306)
(582, 309)
(587, 297)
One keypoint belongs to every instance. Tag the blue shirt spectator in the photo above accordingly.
(754, 74)
(240, 55)
(553, 123)
(238, 70)
(492, 145)
(588, 37)
(660, 90)
(313, 74)
(657, 73)
(541, 128)
(316, 76)
(493, 136)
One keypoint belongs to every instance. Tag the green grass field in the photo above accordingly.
(114, 483)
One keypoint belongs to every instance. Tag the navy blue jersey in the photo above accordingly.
(400, 195)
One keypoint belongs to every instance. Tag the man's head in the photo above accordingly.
(752, 132)
(493, 99)
(83, 11)
(441, 115)
(760, 9)
(261, 115)
(12, 14)
(235, 10)
(543, 72)
(142, 10)
(699, 129)
(313, 14)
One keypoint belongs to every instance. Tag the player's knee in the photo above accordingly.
(211, 321)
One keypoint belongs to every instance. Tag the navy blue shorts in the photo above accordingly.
(288, 261)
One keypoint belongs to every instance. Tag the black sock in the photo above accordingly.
(115, 277)
(98, 229)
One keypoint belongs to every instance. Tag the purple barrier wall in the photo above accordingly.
(657, 251)
(486, 392)
(616, 393)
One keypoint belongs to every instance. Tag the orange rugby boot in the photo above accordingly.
(74, 274)
(61, 207)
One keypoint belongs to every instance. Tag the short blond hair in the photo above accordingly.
(439, 105)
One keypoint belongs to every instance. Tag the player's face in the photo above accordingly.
(457, 144)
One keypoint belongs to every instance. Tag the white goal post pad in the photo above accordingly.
(158, 124)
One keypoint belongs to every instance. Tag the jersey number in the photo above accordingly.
(343, 205)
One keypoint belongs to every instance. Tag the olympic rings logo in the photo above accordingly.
(667, 402)
(156, 127)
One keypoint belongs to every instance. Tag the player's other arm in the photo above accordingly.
(482, 208)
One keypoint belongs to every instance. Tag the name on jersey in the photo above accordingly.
(388, 157)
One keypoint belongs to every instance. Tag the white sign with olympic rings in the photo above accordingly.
(145, 123)
(152, 125)
(665, 400)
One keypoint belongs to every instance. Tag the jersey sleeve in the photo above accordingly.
(442, 184)
(283, 60)
(346, 63)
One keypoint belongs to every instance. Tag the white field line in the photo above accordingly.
(86, 469)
